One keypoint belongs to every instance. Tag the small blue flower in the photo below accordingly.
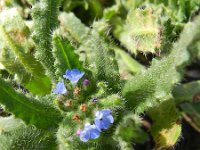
(89, 132)
(73, 75)
(60, 88)
(103, 119)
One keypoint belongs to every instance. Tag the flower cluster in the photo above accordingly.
(73, 75)
(102, 121)
(103, 118)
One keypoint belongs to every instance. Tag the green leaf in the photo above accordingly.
(147, 89)
(141, 32)
(30, 67)
(104, 58)
(164, 116)
(28, 61)
(65, 55)
(31, 1)
(45, 18)
(29, 110)
(71, 24)
(191, 113)
(180, 10)
(27, 138)
(8, 124)
(186, 92)
(37, 85)
(88, 10)
(16, 56)
(129, 130)
(13, 66)
(132, 64)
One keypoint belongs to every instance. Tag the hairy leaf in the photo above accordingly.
(187, 92)
(27, 137)
(165, 128)
(141, 32)
(191, 113)
(65, 55)
(71, 24)
(8, 124)
(45, 15)
(129, 130)
(29, 110)
(107, 68)
(16, 56)
(132, 64)
(153, 86)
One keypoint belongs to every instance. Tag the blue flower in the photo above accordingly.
(73, 75)
(60, 88)
(103, 119)
(89, 132)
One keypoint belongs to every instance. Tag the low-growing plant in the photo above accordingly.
(69, 85)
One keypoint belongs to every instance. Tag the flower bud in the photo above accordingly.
(86, 82)
(83, 107)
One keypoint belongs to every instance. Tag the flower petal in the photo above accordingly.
(94, 134)
(60, 88)
(102, 124)
(85, 136)
(98, 124)
(105, 123)
(106, 112)
(87, 126)
(73, 75)
(110, 118)
(99, 115)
